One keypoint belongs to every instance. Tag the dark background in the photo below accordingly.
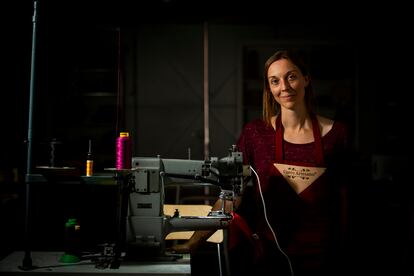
(369, 47)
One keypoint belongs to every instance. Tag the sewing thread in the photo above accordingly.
(89, 161)
(123, 151)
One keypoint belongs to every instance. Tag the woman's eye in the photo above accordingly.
(274, 82)
(292, 77)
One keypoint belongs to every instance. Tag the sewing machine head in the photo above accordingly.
(147, 226)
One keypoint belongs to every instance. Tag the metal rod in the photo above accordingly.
(27, 260)
(206, 94)
(206, 103)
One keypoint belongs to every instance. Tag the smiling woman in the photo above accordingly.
(292, 219)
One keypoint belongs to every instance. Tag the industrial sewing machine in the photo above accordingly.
(147, 225)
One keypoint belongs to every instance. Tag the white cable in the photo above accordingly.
(268, 223)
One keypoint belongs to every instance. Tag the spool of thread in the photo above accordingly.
(72, 252)
(89, 167)
(89, 161)
(123, 151)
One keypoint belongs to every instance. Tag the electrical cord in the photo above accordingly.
(268, 223)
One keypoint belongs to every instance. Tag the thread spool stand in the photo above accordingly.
(125, 182)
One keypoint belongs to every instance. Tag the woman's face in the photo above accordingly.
(287, 83)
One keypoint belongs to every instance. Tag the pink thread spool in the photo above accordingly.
(123, 151)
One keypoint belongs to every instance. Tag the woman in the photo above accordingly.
(292, 220)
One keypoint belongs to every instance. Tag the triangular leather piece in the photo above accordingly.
(299, 177)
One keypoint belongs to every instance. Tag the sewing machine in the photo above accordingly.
(147, 225)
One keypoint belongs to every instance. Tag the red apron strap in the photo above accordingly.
(318, 141)
(279, 139)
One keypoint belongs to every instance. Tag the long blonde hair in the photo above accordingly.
(270, 106)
